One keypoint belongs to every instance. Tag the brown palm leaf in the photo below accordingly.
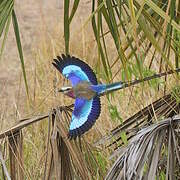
(167, 106)
(152, 150)
(64, 158)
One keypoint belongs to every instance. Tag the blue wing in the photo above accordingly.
(74, 69)
(84, 116)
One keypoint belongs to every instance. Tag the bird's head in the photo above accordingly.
(68, 91)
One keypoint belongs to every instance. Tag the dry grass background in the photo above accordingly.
(41, 27)
(42, 40)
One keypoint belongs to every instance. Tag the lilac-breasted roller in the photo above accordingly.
(85, 90)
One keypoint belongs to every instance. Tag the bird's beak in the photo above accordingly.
(60, 90)
(68, 92)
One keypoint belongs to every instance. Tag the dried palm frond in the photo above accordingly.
(152, 150)
(64, 158)
(5, 171)
(73, 155)
(165, 107)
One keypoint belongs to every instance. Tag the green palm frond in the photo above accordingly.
(6, 13)
(6, 8)
(139, 31)
(68, 17)
(18, 41)
(142, 33)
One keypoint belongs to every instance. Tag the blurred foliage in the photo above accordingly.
(144, 32)
(176, 93)
(141, 34)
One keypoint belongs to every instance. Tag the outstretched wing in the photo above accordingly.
(84, 116)
(74, 69)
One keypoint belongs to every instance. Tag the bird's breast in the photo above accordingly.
(83, 90)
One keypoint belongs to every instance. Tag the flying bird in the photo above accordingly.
(85, 90)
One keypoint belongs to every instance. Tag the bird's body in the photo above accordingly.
(86, 92)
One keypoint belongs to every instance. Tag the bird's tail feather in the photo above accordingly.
(112, 87)
(121, 85)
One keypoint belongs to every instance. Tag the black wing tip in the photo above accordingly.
(61, 58)
(65, 56)
(71, 59)
(60, 61)
(93, 116)
(78, 132)
(65, 60)
(73, 134)
(57, 65)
